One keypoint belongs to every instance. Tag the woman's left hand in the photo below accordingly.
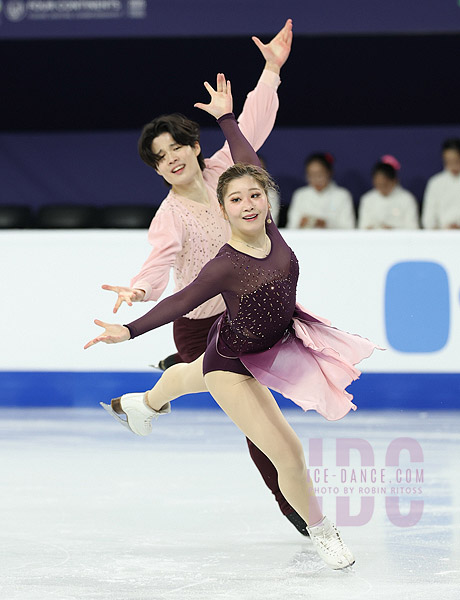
(113, 334)
(221, 98)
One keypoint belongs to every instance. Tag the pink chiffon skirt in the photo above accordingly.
(312, 365)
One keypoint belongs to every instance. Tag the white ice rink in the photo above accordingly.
(88, 510)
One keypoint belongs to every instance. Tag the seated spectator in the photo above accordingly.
(388, 205)
(321, 203)
(273, 197)
(441, 202)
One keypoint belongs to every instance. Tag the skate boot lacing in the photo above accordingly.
(330, 541)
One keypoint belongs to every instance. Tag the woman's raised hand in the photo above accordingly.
(221, 98)
(277, 51)
(125, 294)
(113, 334)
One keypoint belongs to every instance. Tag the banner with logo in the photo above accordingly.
(129, 18)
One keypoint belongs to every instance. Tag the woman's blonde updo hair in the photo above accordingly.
(240, 170)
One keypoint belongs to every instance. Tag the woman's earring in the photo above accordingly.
(269, 220)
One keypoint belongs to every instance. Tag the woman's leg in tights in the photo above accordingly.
(180, 379)
(190, 337)
(254, 410)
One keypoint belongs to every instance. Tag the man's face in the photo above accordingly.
(177, 164)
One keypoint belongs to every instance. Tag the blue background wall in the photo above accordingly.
(74, 167)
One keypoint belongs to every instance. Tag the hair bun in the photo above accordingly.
(388, 159)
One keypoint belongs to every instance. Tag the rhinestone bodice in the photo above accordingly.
(260, 311)
(259, 294)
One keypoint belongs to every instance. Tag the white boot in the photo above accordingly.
(138, 414)
(330, 546)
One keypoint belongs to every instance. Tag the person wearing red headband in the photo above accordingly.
(388, 205)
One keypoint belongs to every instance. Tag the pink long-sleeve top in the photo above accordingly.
(185, 234)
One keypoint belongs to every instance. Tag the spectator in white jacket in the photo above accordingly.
(387, 205)
(441, 202)
(321, 203)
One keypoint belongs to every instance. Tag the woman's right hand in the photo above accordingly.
(125, 294)
(221, 102)
(113, 334)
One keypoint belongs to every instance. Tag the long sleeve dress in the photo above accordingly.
(263, 332)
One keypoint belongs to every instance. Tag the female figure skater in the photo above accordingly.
(188, 228)
(263, 338)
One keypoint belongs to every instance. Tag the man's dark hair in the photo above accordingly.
(184, 131)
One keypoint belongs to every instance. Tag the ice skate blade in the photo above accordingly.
(347, 569)
(115, 415)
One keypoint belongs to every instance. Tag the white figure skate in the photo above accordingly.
(330, 546)
(138, 415)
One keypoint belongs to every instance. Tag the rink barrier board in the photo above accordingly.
(399, 289)
(373, 391)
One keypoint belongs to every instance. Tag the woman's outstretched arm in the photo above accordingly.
(241, 149)
(212, 280)
(220, 106)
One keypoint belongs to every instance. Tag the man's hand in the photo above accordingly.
(277, 51)
(125, 294)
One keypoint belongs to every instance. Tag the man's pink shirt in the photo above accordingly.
(185, 234)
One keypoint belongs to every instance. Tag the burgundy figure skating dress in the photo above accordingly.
(263, 332)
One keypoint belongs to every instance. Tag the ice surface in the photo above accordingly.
(88, 510)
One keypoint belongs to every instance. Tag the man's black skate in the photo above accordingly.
(298, 523)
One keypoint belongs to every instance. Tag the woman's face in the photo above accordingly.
(384, 184)
(177, 164)
(245, 206)
(451, 160)
(317, 176)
